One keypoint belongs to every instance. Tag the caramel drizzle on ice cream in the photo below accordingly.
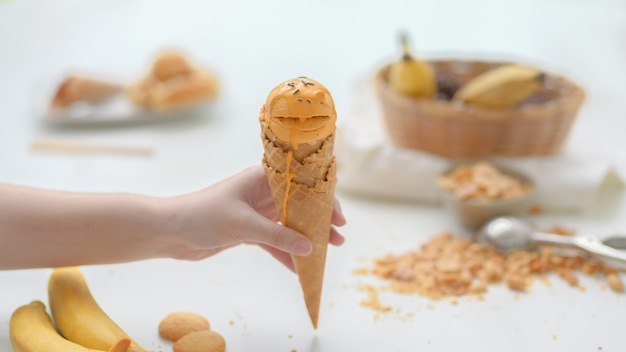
(288, 177)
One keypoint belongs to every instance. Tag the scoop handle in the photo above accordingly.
(596, 248)
(543, 238)
(588, 244)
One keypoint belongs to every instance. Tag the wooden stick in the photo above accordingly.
(87, 148)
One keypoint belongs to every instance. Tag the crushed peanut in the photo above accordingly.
(535, 209)
(484, 181)
(451, 266)
(373, 301)
(615, 282)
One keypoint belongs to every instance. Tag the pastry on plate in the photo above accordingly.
(77, 88)
(173, 82)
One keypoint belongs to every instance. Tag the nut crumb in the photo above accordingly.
(449, 266)
(535, 209)
(483, 180)
(373, 300)
(615, 282)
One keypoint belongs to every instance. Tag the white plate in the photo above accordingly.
(114, 110)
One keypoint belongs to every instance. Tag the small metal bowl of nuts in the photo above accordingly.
(476, 192)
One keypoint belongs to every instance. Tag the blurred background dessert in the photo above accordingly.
(173, 82)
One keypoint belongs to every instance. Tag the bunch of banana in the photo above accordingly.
(502, 87)
(411, 76)
(31, 330)
(77, 314)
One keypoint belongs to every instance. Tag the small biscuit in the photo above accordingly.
(178, 324)
(201, 341)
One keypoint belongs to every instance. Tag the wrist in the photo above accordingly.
(171, 219)
(146, 233)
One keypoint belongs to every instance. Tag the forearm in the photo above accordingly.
(40, 228)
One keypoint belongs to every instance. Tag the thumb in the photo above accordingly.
(278, 236)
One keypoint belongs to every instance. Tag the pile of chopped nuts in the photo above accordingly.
(452, 266)
(483, 180)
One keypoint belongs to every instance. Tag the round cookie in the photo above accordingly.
(178, 324)
(201, 341)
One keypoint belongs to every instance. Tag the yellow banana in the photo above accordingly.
(77, 314)
(412, 76)
(501, 87)
(31, 330)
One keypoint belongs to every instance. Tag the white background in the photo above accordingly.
(254, 45)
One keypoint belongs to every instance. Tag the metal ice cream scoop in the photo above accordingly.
(509, 233)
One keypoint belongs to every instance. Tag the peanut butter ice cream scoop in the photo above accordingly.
(300, 110)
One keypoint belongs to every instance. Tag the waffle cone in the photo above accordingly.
(306, 201)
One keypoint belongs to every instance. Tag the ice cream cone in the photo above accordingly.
(302, 179)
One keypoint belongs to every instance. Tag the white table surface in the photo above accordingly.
(253, 45)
